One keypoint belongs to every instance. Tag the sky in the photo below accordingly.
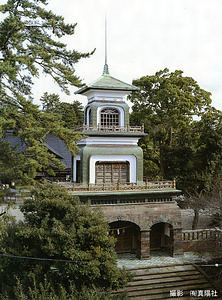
(143, 37)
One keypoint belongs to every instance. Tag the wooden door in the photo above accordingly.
(112, 172)
(127, 236)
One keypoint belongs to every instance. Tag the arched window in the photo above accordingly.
(109, 117)
(85, 117)
(90, 116)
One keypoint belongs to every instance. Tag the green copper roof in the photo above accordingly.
(107, 82)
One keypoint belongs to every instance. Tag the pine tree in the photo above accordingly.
(31, 44)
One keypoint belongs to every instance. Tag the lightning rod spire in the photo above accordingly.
(106, 68)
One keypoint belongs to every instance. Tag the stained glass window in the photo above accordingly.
(109, 117)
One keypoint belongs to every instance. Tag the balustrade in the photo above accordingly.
(149, 185)
(114, 128)
(201, 234)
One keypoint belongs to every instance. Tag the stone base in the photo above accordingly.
(149, 219)
(145, 258)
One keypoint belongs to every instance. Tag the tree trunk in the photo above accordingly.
(195, 219)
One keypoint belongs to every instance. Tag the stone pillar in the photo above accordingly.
(177, 249)
(145, 245)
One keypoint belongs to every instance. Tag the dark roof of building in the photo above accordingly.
(58, 147)
(15, 141)
(53, 143)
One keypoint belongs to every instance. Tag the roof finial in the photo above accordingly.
(106, 68)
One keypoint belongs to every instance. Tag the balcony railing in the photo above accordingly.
(112, 187)
(201, 234)
(114, 128)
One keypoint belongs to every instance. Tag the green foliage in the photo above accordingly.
(50, 103)
(31, 44)
(196, 157)
(11, 163)
(57, 227)
(31, 126)
(45, 291)
(183, 131)
(71, 114)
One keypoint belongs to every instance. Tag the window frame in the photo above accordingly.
(109, 116)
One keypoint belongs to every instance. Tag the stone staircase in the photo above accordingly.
(176, 281)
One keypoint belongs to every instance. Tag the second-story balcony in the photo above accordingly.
(118, 193)
(118, 187)
(113, 128)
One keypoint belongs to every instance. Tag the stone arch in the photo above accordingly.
(127, 236)
(162, 237)
(111, 218)
(165, 218)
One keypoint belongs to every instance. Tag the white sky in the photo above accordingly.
(144, 36)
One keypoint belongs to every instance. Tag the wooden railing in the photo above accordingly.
(114, 128)
(201, 234)
(149, 185)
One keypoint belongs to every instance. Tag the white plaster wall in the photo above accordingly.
(107, 95)
(87, 115)
(94, 158)
(108, 141)
(77, 157)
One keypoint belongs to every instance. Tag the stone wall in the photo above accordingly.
(145, 216)
(198, 246)
(202, 240)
